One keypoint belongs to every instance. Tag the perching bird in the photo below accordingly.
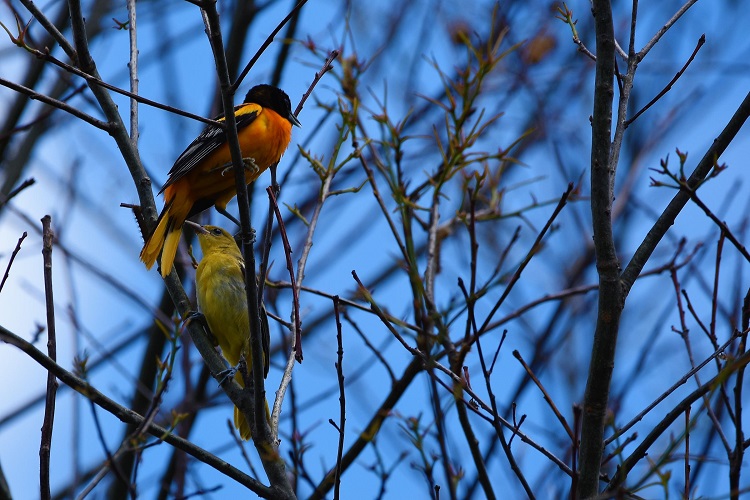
(202, 177)
(220, 289)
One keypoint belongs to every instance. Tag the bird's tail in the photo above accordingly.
(165, 238)
(242, 425)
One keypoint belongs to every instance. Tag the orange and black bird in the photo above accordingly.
(202, 176)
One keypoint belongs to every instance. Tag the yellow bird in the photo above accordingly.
(220, 289)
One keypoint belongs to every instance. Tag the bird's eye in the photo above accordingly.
(216, 231)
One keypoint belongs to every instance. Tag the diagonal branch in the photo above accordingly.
(128, 416)
(33, 94)
(669, 215)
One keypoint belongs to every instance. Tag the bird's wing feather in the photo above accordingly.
(211, 139)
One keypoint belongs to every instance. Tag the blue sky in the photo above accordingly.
(98, 231)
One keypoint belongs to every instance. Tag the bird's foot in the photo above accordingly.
(249, 164)
(227, 375)
(201, 319)
(196, 316)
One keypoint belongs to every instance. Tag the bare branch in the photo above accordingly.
(57, 104)
(49, 407)
(668, 216)
(12, 258)
(127, 416)
(666, 89)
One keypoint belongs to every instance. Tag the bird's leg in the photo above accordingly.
(200, 318)
(223, 211)
(225, 376)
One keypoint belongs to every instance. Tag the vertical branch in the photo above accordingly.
(342, 397)
(686, 493)
(296, 283)
(133, 66)
(456, 360)
(104, 99)
(432, 250)
(4, 488)
(261, 432)
(49, 408)
(577, 410)
(738, 454)
(262, 437)
(608, 267)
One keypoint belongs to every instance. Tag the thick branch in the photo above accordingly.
(262, 438)
(610, 292)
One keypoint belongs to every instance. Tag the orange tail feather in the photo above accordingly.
(155, 242)
(166, 236)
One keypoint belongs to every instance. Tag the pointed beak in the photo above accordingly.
(294, 120)
(198, 228)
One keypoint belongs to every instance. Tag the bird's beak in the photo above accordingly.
(198, 228)
(294, 120)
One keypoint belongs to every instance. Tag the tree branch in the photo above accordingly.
(607, 264)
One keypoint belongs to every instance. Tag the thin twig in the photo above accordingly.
(532, 251)
(665, 423)
(237, 441)
(33, 94)
(666, 89)
(686, 491)
(684, 334)
(109, 464)
(5, 199)
(722, 225)
(737, 455)
(49, 407)
(546, 395)
(133, 67)
(297, 347)
(342, 399)
(622, 430)
(327, 66)
(665, 28)
(375, 351)
(471, 325)
(233, 88)
(12, 258)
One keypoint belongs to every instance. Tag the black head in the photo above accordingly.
(273, 98)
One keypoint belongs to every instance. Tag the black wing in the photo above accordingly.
(211, 139)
